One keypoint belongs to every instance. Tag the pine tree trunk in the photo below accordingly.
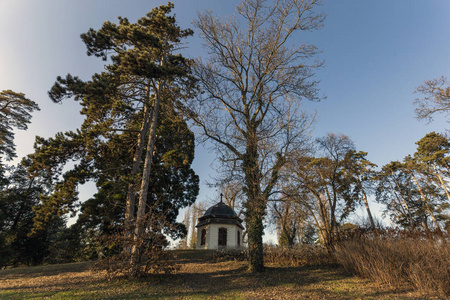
(442, 182)
(403, 200)
(366, 203)
(137, 159)
(140, 215)
(438, 228)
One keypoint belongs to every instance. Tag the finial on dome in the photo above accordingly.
(221, 195)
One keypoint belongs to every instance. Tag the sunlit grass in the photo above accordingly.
(197, 279)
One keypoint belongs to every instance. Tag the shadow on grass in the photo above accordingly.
(193, 256)
(199, 279)
(234, 283)
(45, 270)
(237, 283)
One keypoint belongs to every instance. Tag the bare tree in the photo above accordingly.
(197, 211)
(253, 83)
(187, 223)
(436, 98)
(289, 218)
(232, 192)
(323, 185)
(190, 220)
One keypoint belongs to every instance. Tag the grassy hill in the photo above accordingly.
(200, 277)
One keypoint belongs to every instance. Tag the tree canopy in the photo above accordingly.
(435, 100)
(253, 83)
(15, 112)
(134, 141)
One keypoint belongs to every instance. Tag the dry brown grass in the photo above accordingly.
(395, 260)
(200, 277)
(301, 255)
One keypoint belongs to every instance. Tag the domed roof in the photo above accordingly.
(220, 210)
(220, 213)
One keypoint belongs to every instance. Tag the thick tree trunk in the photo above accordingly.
(140, 215)
(137, 159)
(256, 205)
(288, 225)
(255, 231)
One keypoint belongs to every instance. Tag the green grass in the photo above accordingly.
(198, 278)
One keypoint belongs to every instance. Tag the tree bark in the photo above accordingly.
(140, 215)
(255, 206)
(137, 159)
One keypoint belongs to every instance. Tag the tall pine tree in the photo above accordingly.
(134, 141)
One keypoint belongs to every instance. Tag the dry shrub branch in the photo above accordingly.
(300, 255)
(295, 256)
(153, 258)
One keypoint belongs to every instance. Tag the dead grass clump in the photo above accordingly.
(296, 256)
(396, 260)
(230, 255)
(300, 255)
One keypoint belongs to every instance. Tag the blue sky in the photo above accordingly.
(376, 53)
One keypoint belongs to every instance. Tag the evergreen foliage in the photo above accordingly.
(136, 101)
(17, 203)
(15, 112)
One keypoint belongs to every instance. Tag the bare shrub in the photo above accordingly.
(230, 254)
(116, 255)
(396, 258)
(300, 255)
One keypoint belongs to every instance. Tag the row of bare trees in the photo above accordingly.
(326, 185)
(191, 216)
(253, 82)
